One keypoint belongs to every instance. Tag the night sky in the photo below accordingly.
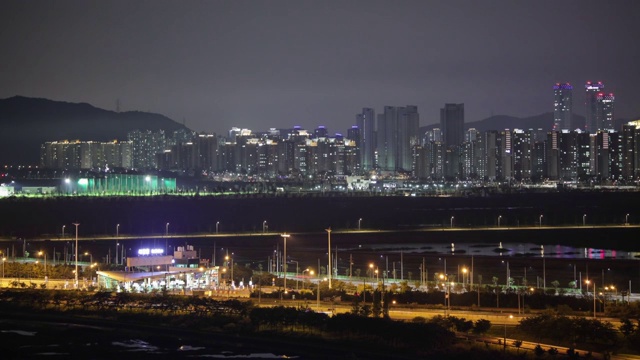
(261, 64)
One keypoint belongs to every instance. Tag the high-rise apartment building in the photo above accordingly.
(452, 124)
(562, 106)
(604, 111)
(408, 137)
(366, 123)
(387, 134)
(592, 89)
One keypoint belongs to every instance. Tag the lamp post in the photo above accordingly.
(227, 258)
(3, 261)
(297, 267)
(452, 222)
(626, 219)
(63, 226)
(464, 276)
(44, 255)
(584, 219)
(359, 223)
(330, 268)
(540, 221)
(284, 264)
(499, 217)
(264, 226)
(447, 301)
(90, 257)
(310, 274)
(117, 243)
(76, 271)
(504, 342)
(166, 240)
(594, 296)
(217, 224)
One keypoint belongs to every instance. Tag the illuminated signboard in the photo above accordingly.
(142, 252)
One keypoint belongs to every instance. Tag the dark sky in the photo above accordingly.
(261, 64)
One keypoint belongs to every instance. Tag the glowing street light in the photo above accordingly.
(44, 255)
(626, 219)
(76, 271)
(284, 265)
(584, 219)
(264, 226)
(330, 268)
(594, 295)
(540, 220)
(452, 221)
(359, 222)
(63, 226)
(217, 224)
(499, 217)
(117, 243)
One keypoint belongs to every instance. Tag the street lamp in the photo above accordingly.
(44, 255)
(76, 271)
(3, 261)
(117, 243)
(63, 226)
(359, 222)
(226, 258)
(452, 221)
(464, 275)
(504, 343)
(311, 272)
(447, 300)
(166, 240)
(284, 265)
(297, 268)
(264, 226)
(499, 217)
(594, 296)
(626, 219)
(330, 268)
(86, 253)
(540, 221)
(584, 219)
(217, 224)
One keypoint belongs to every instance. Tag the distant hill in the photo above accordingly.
(28, 122)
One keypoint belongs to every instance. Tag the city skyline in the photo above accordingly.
(216, 65)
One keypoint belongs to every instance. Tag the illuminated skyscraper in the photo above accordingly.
(366, 123)
(591, 116)
(604, 111)
(562, 106)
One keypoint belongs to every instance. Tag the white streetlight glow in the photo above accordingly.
(330, 269)
(76, 225)
(284, 265)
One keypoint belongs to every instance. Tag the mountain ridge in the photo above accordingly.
(29, 122)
